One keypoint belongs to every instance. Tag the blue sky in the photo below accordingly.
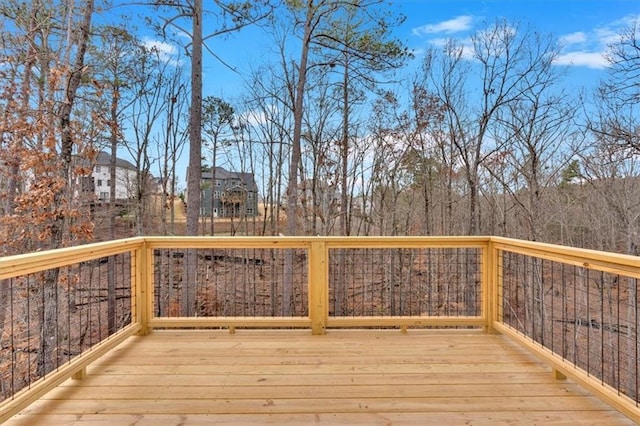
(585, 27)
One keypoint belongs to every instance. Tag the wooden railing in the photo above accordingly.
(322, 265)
(53, 318)
(577, 309)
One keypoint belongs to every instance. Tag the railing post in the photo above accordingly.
(318, 287)
(493, 265)
(498, 284)
(143, 282)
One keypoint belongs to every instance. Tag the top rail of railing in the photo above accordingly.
(295, 241)
(591, 259)
(12, 266)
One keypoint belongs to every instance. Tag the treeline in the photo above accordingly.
(486, 136)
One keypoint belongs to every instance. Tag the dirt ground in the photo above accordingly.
(222, 226)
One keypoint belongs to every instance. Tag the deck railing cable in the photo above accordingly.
(231, 282)
(587, 316)
(53, 315)
(370, 282)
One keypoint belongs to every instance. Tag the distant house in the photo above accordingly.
(125, 178)
(97, 185)
(234, 194)
(318, 196)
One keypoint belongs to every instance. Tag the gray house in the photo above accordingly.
(234, 194)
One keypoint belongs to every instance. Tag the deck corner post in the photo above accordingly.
(491, 276)
(318, 286)
(559, 375)
(144, 284)
(80, 374)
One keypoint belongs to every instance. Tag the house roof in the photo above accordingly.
(246, 178)
(104, 159)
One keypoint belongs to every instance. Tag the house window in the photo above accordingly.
(216, 194)
(250, 211)
(104, 195)
(109, 183)
(218, 182)
(97, 169)
(99, 182)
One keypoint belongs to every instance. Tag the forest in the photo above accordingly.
(487, 136)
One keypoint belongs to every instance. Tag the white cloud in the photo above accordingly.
(629, 21)
(439, 42)
(418, 52)
(166, 52)
(460, 23)
(610, 33)
(607, 35)
(573, 38)
(257, 117)
(587, 49)
(593, 60)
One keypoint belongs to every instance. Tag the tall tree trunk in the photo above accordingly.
(298, 105)
(195, 161)
(296, 154)
(111, 279)
(195, 124)
(58, 228)
(213, 187)
(344, 198)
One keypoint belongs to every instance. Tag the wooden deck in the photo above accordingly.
(344, 377)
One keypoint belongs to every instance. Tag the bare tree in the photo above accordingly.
(505, 60)
(614, 124)
(175, 137)
(146, 112)
(267, 104)
(361, 52)
(217, 117)
(390, 179)
(618, 96)
(539, 138)
(233, 15)
(113, 59)
(320, 169)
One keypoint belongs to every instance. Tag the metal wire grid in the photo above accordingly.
(52, 316)
(588, 317)
(235, 282)
(405, 281)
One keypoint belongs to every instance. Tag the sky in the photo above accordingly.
(584, 27)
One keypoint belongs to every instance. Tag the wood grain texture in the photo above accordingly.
(342, 377)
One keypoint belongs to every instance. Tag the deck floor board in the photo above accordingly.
(344, 377)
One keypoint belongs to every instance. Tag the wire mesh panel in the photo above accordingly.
(52, 316)
(588, 317)
(230, 282)
(405, 282)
